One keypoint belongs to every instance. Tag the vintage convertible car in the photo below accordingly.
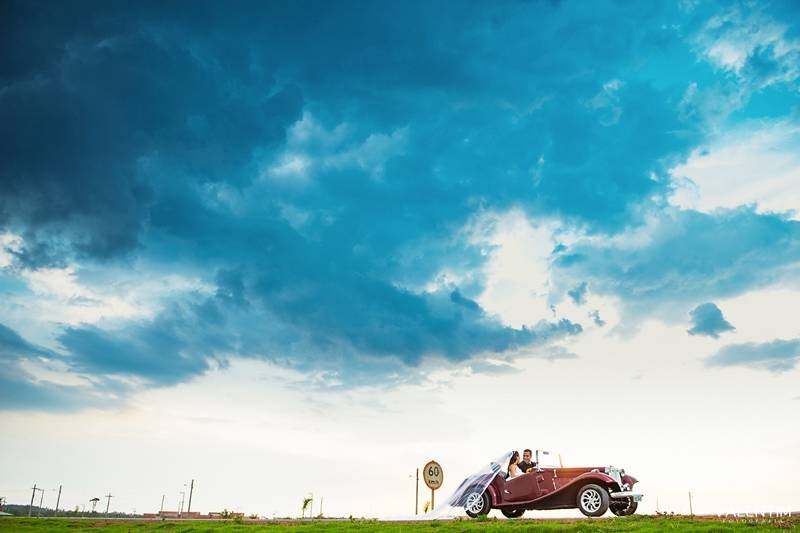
(592, 489)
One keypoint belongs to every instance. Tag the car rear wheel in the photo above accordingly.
(477, 503)
(625, 507)
(593, 500)
(512, 513)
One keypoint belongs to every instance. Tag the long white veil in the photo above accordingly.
(453, 505)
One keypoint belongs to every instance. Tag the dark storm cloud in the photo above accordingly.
(180, 343)
(19, 390)
(156, 133)
(707, 319)
(158, 352)
(103, 105)
(90, 97)
(13, 346)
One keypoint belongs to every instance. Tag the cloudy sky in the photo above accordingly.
(298, 247)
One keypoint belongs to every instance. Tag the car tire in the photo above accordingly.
(512, 513)
(624, 508)
(477, 503)
(592, 500)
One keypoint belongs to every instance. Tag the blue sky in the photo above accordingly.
(338, 190)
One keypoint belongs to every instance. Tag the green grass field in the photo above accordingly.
(634, 524)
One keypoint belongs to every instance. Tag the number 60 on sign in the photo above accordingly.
(433, 475)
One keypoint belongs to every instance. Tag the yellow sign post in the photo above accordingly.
(433, 475)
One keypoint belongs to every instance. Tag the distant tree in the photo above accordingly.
(307, 501)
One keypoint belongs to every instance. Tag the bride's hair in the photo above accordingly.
(514, 458)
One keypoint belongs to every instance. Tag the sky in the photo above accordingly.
(284, 248)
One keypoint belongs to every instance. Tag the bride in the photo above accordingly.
(513, 470)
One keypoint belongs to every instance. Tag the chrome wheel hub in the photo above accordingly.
(474, 503)
(591, 500)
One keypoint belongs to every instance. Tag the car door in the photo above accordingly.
(545, 480)
(521, 488)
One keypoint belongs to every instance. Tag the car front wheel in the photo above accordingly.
(477, 503)
(593, 500)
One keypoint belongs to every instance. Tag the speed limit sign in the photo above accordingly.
(433, 475)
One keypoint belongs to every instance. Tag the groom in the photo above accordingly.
(526, 465)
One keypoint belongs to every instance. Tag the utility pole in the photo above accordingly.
(41, 499)
(108, 502)
(180, 512)
(191, 489)
(691, 512)
(58, 500)
(162, 503)
(416, 496)
(33, 495)
(321, 499)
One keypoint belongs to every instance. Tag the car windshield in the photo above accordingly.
(545, 458)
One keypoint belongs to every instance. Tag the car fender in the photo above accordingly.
(493, 495)
(605, 479)
(596, 477)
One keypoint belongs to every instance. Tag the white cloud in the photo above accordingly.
(63, 298)
(291, 165)
(607, 100)
(311, 148)
(55, 297)
(729, 40)
(758, 163)
(254, 444)
(517, 284)
(10, 243)
(371, 154)
(763, 315)
(638, 395)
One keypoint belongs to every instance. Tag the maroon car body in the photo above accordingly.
(592, 490)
